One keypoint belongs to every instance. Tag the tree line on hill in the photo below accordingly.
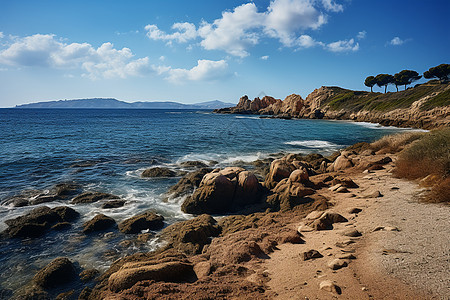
(406, 77)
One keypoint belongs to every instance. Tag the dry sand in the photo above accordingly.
(407, 258)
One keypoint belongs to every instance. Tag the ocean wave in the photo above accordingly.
(245, 117)
(316, 144)
(379, 126)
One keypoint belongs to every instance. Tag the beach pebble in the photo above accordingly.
(351, 232)
(346, 256)
(337, 264)
(329, 286)
(311, 254)
(354, 210)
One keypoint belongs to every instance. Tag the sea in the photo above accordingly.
(107, 150)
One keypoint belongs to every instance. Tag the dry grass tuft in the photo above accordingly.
(428, 155)
(396, 142)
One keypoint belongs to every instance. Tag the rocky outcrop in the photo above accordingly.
(91, 197)
(424, 106)
(223, 191)
(39, 220)
(188, 183)
(98, 223)
(192, 235)
(158, 172)
(60, 271)
(147, 220)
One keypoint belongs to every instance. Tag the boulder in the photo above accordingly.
(337, 264)
(188, 182)
(287, 195)
(60, 271)
(223, 191)
(173, 271)
(91, 197)
(99, 223)
(39, 220)
(158, 172)
(341, 163)
(89, 275)
(351, 232)
(329, 286)
(192, 235)
(326, 221)
(311, 254)
(193, 164)
(147, 220)
(113, 204)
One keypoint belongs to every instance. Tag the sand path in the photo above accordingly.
(409, 258)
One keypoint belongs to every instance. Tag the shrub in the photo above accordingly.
(396, 142)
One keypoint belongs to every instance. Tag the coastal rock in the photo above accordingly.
(147, 220)
(192, 235)
(292, 105)
(193, 164)
(188, 182)
(173, 271)
(38, 221)
(89, 275)
(351, 233)
(286, 195)
(283, 167)
(344, 181)
(91, 197)
(113, 204)
(223, 191)
(60, 271)
(337, 264)
(99, 223)
(202, 269)
(326, 221)
(311, 254)
(341, 163)
(158, 172)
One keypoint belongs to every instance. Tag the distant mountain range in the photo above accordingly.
(117, 104)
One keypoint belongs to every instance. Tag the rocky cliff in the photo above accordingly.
(425, 106)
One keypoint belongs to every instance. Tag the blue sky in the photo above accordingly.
(191, 51)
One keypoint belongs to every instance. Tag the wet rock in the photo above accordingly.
(89, 275)
(331, 287)
(224, 191)
(158, 172)
(61, 226)
(38, 221)
(91, 197)
(193, 164)
(173, 271)
(192, 235)
(337, 264)
(188, 182)
(60, 271)
(66, 295)
(113, 204)
(147, 220)
(311, 254)
(99, 223)
(85, 293)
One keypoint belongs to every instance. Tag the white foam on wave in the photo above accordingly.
(245, 117)
(315, 144)
(379, 126)
(222, 158)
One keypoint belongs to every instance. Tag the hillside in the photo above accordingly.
(110, 103)
(424, 106)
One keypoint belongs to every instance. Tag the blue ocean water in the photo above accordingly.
(106, 150)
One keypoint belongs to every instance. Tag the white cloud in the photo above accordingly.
(265, 57)
(343, 46)
(183, 33)
(361, 35)
(206, 70)
(234, 32)
(396, 41)
(285, 17)
(305, 41)
(45, 51)
(1, 35)
(330, 5)
(243, 27)
(162, 58)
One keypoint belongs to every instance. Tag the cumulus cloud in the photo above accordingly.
(1, 35)
(204, 70)
(45, 50)
(265, 57)
(183, 33)
(396, 41)
(361, 35)
(330, 5)
(343, 46)
(244, 26)
(234, 32)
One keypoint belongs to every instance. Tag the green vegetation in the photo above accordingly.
(405, 77)
(442, 72)
(358, 100)
(384, 80)
(370, 82)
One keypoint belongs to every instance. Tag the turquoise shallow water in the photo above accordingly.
(106, 150)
